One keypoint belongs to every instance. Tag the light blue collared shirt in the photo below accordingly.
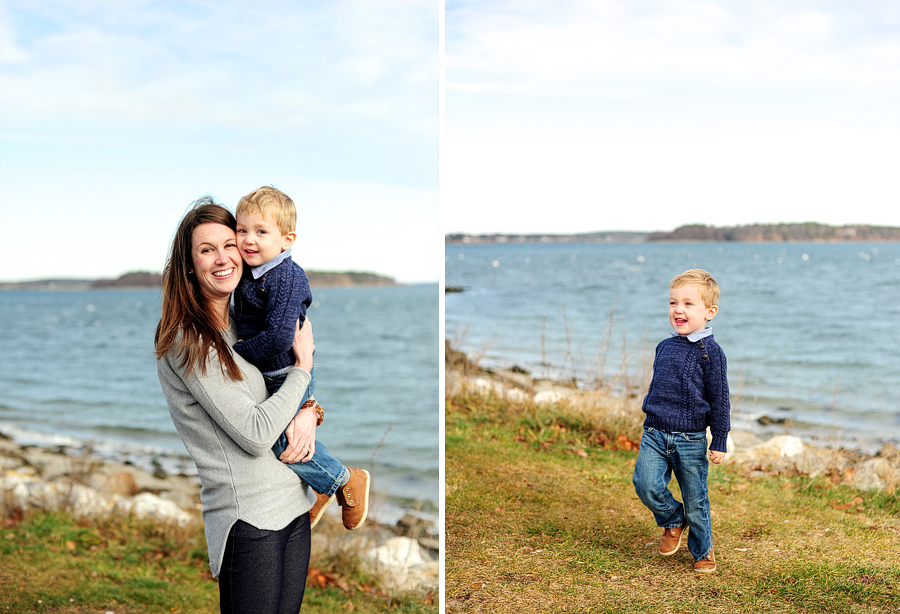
(696, 335)
(259, 271)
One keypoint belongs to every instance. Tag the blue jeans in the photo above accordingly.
(264, 572)
(324, 473)
(661, 454)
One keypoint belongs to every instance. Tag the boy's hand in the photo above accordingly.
(716, 457)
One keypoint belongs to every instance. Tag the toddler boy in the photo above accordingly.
(272, 296)
(688, 393)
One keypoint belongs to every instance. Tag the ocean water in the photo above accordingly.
(78, 367)
(811, 331)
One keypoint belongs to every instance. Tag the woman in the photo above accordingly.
(255, 509)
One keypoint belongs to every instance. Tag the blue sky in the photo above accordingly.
(622, 115)
(115, 116)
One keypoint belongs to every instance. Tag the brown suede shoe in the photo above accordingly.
(671, 541)
(707, 565)
(315, 514)
(353, 497)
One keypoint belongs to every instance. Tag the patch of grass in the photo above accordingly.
(541, 516)
(53, 562)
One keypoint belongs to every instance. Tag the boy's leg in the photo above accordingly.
(324, 473)
(652, 473)
(691, 469)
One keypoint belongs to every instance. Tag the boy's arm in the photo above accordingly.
(286, 302)
(716, 383)
(650, 387)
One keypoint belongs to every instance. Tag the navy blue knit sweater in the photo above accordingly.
(689, 390)
(267, 310)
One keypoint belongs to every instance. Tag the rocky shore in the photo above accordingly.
(404, 555)
(782, 454)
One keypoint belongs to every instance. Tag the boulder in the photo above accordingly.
(875, 474)
(403, 565)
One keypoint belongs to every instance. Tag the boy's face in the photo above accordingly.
(259, 239)
(687, 313)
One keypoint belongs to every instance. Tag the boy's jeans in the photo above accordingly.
(324, 473)
(661, 454)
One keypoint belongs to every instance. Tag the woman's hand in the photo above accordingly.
(716, 457)
(301, 436)
(303, 345)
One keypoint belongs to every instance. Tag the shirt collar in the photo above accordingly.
(696, 336)
(259, 271)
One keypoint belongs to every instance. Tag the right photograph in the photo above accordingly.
(672, 289)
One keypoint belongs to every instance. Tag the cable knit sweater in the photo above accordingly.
(689, 391)
(268, 302)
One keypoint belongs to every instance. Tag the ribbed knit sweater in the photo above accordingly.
(267, 308)
(228, 428)
(689, 390)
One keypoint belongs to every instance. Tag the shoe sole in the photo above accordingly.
(677, 546)
(704, 570)
(365, 511)
(321, 513)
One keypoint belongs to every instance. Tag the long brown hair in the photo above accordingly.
(185, 311)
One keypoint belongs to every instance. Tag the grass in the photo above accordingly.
(53, 562)
(541, 516)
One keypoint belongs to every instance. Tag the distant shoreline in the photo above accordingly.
(146, 280)
(811, 232)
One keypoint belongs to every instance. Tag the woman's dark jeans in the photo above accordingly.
(264, 572)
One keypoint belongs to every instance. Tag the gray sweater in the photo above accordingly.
(228, 428)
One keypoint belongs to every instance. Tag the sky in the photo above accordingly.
(116, 116)
(579, 116)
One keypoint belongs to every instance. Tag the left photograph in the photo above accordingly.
(219, 291)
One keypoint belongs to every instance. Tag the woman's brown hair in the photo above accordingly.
(184, 308)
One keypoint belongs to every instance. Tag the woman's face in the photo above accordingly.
(217, 261)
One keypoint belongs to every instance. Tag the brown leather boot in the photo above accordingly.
(671, 541)
(707, 565)
(353, 497)
(315, 514)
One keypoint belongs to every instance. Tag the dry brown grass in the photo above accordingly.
(540, 517)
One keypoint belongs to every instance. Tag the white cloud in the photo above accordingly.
(116, 115)
(620, 115)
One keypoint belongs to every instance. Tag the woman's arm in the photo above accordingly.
(301, 431)
(254, 426)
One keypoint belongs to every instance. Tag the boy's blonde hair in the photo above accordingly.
(271, 202)
(709, 289)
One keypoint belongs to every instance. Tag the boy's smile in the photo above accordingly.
(687, 313)
(259, 239)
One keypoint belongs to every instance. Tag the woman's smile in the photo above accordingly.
(217, 261)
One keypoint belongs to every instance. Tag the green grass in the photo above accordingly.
(541, 516)
(52, 562)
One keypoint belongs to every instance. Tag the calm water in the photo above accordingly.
(79, 366)
(811, 331)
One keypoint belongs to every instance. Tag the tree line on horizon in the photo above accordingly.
(147, 279)
(805, 231)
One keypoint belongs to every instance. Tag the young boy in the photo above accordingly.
(688, 393)
(271, 297)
